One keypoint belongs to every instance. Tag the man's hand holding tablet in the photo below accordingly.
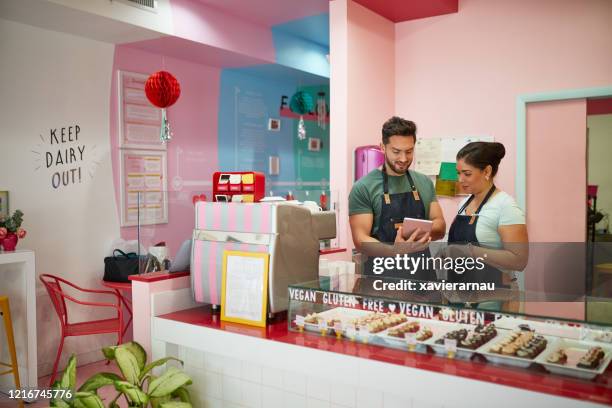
(412, 224)
(416, 240)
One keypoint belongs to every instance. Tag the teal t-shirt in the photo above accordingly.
(366, 194)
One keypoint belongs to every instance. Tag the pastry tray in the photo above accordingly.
(515, 361)
(574, 350)
(437, 327)
(345, 315)
(462, 352)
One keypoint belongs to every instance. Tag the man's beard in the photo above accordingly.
(391, 166)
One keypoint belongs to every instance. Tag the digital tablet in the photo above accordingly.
(411, 224)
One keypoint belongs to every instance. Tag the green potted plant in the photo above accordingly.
(136, 384)
(11, 231)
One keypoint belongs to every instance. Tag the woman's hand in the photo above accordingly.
(457, 251)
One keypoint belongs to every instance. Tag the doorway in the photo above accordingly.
(551, 187)
(599, 196)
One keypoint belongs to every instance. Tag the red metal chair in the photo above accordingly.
(58, 297)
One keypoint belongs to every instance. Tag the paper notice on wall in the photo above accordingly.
(451, 146)
(428, 154)
(139, 121)
(244, 288)
(144, 185)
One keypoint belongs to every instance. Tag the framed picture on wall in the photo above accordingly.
(144, 187)
(139, 121)
(314, 144)
(4, 204)
(274, 125)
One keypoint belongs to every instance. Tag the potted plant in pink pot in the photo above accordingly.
(11, 231)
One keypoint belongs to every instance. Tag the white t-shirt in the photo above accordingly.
(501, 209)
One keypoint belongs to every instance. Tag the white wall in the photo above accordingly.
(160, 21)
(600, 148)
(101, 20)
(51, 80)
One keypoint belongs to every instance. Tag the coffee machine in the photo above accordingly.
(288, 232)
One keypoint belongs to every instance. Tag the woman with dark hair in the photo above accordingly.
(489, 223)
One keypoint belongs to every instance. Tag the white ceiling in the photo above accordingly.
(270, 12)
(52, 16)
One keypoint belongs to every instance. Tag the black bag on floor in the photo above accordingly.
(117, 268)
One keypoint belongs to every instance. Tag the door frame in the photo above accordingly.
(521, 129)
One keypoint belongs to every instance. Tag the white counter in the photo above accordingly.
(239, 366)
(18, 283)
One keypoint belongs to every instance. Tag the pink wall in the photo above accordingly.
(338, 96)
(556, 130)
(556, 159)
(192, 153)
(198, 22)
(460, 74)
(362, 90)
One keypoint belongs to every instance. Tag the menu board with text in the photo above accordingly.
(139, 120)
(143, 187)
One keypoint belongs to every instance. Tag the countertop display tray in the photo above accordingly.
(515, 361)
(462, 352)
(345, 315)
(438, 328)
(574, 350)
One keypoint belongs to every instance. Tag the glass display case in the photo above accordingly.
(407, 315)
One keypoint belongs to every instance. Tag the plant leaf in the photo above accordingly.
(138, 351)
(78, 404)
(156, 402)
(157, 363)
(109, 352)
(176, 404)
(168, 382)
(99, 380)
(128, 364)
(113, 403)
(58, 402)
(133, 393)
(68, 380)
(87, 400)
(183, 394)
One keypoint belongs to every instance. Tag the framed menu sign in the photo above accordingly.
(244, 288)
(139, 120)
(143, 187)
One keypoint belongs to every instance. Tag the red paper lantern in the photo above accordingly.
(162, 89)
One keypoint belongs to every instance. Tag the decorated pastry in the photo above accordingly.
(312, 318)
(480, 336)
(524, 344)
(592, 358)
(399, 331)
(458, 335)
(378, 322)
(558, 357)
(424, 334)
